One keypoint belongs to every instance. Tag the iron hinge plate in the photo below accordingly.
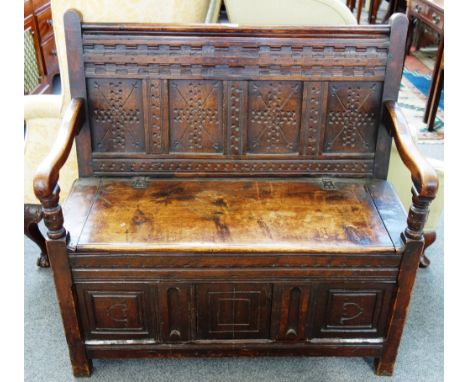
(328, 184)
(140, 182)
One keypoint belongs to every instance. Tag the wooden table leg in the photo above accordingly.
(435, 91)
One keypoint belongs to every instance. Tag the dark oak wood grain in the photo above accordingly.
(232, 198)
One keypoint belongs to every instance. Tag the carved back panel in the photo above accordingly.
(227, 101)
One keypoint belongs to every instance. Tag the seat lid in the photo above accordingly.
(233, 215)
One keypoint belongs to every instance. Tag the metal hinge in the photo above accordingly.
(328, 184)
(140, 182)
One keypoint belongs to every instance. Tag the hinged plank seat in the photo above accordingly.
(232, 197)
(271, 216)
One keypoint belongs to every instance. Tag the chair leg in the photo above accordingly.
(373, 10)
(359, 10)
(32, 217)
(429, 238)
(435, 91)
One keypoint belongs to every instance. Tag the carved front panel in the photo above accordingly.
(352, 117)
(233, 311)
(352, 311)
(116, 115)
(274, 116)
(115, 312)
(292, 308)
(196, 116)
(175, 305)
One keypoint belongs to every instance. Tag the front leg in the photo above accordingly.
(32, 217)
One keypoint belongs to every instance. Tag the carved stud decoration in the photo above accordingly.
(314, 97)
(116, 115)
(274, 117)
(195, 113)
(155, 116)
(235, 112)
(352, 118)
(111, 166)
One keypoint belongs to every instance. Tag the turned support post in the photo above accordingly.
(53, 215)
(48, 192)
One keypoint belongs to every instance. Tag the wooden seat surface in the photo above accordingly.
(234, 215)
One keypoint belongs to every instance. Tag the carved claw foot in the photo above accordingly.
(429, 238)
(32, 217)
(43, 261)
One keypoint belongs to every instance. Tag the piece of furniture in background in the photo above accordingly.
(430, 13)
(43, 113)
(276, 232)
(394, 6)
(373, 9)
(40, 55)
(279, 12)
(351, 4)
(435, 91)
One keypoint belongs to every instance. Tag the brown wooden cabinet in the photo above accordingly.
(38, 26)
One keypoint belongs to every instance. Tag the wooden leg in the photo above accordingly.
(81, 364)
(32, 217)
(435, 89)
(429, 238)
(351, 4)
(419, 33)
(409, 38)
(385, 364)
(373, 9)
(359, 10)
(66, 294)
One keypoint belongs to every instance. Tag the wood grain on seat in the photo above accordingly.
(226, 216)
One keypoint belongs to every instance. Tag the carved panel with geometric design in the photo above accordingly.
(352, 118)
(196, 115)
(352, 311)
(233, 311)
(115, 311)
(116, 115)
(274, 117)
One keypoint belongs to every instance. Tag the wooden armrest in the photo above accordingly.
(423, 174)
(47, 173)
